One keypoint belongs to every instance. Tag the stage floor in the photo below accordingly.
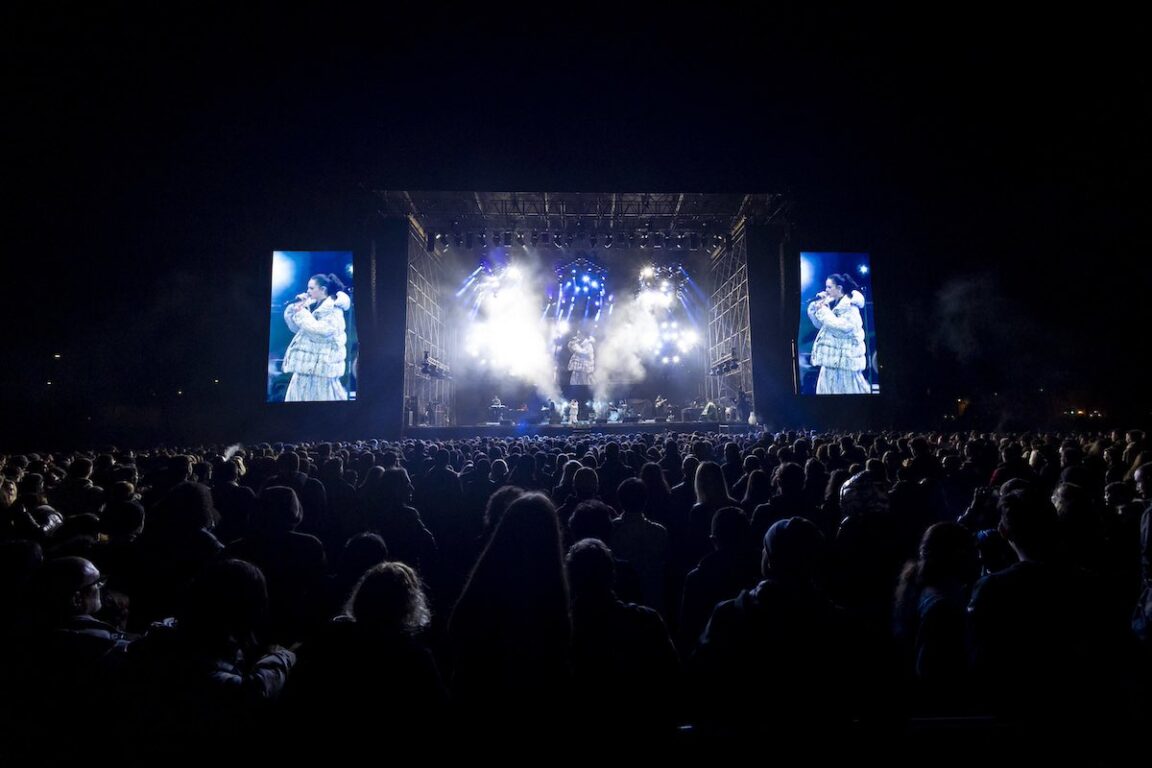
(563, 430)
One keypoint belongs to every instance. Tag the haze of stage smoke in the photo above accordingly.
(504, 331)
(631, 336)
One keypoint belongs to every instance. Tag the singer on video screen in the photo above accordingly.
(317, 355)
(839, 346)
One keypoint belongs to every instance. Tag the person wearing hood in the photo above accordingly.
(775, 659)
(316, 357)
(839, 346)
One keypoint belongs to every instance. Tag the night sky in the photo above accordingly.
(996, 167)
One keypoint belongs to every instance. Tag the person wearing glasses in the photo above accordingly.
(58, 663)
(68, 596)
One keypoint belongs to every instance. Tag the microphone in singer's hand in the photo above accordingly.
(302, 297)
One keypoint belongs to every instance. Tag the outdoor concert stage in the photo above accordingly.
(565, 430)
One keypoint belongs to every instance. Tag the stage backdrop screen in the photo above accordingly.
(312, 341)
(836, 341)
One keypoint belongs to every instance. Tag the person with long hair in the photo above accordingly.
(839, 349)
(316, 357)
(509, 634)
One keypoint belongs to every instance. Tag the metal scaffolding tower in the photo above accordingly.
(729, 339)
(427, 393)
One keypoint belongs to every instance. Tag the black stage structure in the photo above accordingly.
(716, 236)
(743, 250)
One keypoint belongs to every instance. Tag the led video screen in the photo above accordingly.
(312, 340)
(836, 340)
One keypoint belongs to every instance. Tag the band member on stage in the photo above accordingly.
(743, 407)
(663, 408)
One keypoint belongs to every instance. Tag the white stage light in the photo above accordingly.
(283, 271)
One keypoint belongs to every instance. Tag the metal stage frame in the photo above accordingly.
(712, 223)
(425, 334)
(729, 337)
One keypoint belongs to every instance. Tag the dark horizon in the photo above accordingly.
(992, 174)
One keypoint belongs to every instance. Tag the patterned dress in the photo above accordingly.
(583, 361)
(839, 346)
(317, 354)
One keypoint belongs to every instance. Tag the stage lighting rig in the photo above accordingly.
(434, 369)
(724, 366)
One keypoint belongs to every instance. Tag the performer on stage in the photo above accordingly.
(743, 407)
(582, 364)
